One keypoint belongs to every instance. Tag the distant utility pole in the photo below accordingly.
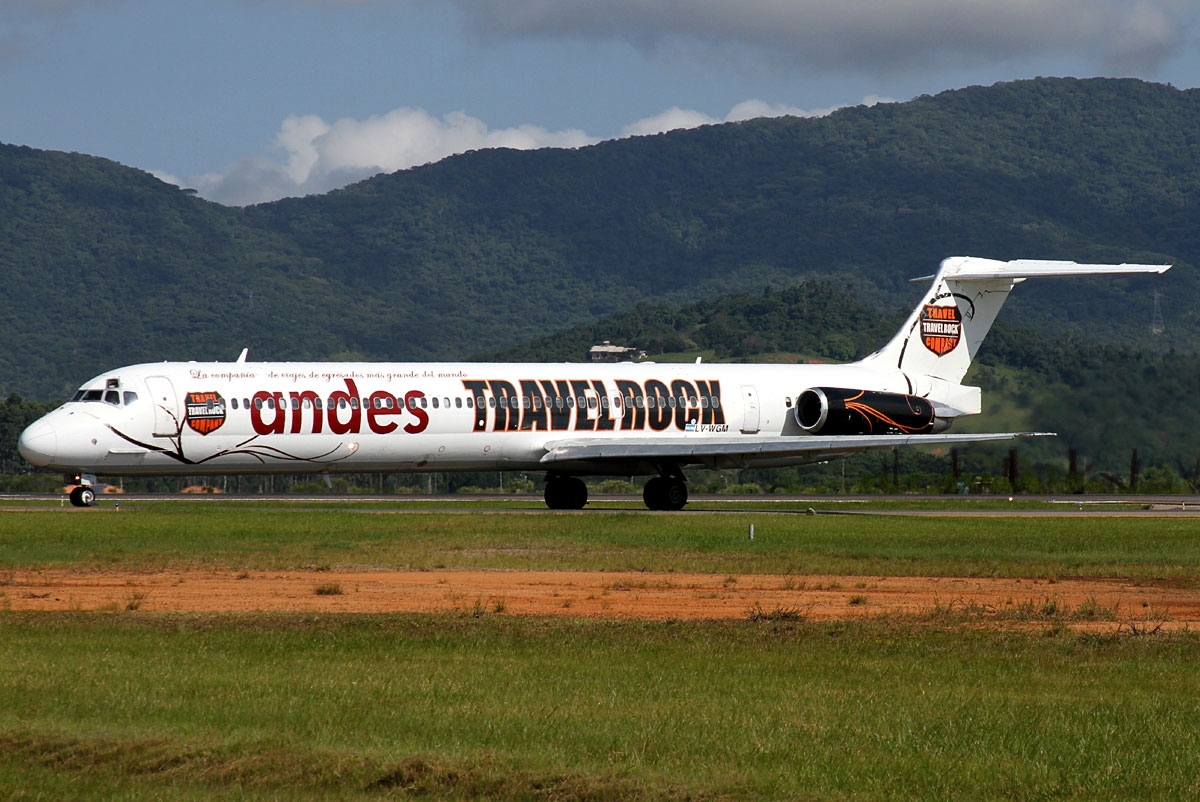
(1156, 322)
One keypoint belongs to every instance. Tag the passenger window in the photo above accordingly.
(458, 402)
(130, 397)
(354, 403)
(716, 402)
(591, 402)
(258, 404)
(424, 403)
(412, 402)
(435, 402)
(232, 402)
(295, 402)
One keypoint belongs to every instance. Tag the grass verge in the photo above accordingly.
(500, 707)
(245, 536)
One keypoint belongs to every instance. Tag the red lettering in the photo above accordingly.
(298, 405)
(381, 405)
(343, 399)
(414, 407)
(272, 401)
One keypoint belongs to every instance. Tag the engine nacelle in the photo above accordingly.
(837, 410)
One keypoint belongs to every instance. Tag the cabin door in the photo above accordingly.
(750, 409)
(167, 422)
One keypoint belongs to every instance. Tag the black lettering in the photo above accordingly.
(560, 413)
(604, 420)
(534, 417)
(505, 395)
(476, 389)
(634, 417)
(683, 392)
(583, 420)
(713, 412)
(658, 416)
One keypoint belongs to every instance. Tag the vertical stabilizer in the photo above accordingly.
(944, 332)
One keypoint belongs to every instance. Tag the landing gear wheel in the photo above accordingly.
(665, 493)
(566, 493)
(83, 496)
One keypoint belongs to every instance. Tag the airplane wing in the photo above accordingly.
(740, 451)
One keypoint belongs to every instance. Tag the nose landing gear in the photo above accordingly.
(82, 496)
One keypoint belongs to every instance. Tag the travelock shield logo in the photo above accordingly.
(205, 412)
(941, 328)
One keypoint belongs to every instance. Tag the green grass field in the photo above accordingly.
(248, 535)
(135, 705)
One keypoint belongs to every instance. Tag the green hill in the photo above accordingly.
(104, 265)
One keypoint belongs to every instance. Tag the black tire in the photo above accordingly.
(665, 493)
(653, 493)
(675, 495)
(566, 493)
(83, 496)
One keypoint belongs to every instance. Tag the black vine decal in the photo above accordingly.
(260, 451)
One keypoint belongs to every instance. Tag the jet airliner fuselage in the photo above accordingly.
(566, 420)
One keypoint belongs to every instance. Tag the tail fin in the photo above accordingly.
(943, 334)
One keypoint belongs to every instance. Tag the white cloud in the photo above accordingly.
(315, 156)
(862, 35)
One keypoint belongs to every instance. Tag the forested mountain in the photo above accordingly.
(104, 265)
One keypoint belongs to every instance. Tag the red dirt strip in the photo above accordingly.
(648, 596)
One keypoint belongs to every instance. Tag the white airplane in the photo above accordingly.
(567, 420)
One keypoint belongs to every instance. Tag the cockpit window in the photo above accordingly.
(93, 395)
(130, 397)
(112, 397)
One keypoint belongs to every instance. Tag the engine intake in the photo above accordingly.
(837, 410)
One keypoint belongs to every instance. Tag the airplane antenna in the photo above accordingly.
(242, 356)
(1156, 322)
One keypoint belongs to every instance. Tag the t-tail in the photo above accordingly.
(944, 332)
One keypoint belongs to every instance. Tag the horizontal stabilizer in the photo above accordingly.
(973, 268)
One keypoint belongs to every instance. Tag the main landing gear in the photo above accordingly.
(668, 492)
(665, 493)
(565, 493)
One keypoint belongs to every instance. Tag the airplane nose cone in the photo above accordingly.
(39, 443)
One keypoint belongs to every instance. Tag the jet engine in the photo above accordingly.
(839, 411)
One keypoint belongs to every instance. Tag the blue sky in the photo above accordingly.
(252, 100)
